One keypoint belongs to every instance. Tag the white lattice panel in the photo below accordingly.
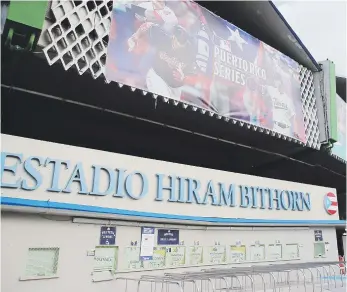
(308, 99)
(78, 38)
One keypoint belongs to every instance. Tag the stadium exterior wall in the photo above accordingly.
(75, 268)
(45, 206)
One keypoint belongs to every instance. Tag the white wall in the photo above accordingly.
(150, 168)
(22, 231)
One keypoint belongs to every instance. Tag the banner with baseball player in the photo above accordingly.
(339, 149)
(180, 50)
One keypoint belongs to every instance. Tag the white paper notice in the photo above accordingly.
(291, 251)
(147, 243)
(274, 252)
(257, 252)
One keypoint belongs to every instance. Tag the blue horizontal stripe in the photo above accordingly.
(341, 277)
(103, 210)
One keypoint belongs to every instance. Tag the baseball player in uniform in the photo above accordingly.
(283, 111)
(173, 62)
(157, 12)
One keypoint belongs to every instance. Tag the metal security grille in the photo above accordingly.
(42, 262)
(78, 38)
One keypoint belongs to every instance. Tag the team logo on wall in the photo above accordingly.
(330, 203)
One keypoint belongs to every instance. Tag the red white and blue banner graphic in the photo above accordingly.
(180, 50)
(330, 203)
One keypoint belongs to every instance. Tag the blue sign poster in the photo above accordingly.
(318, 236)
(147, 243)
(107, 235)
(168, 237)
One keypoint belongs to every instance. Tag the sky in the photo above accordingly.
(321, 26)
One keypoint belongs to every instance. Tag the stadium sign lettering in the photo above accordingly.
(120, 182)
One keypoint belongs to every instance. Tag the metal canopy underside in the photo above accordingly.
(265, 22)
(119, 120)
(341, 87)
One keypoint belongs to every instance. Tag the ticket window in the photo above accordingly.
(319, 249)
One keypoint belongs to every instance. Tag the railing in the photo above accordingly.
(311, 276)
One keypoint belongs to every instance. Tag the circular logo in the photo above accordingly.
(330, 203)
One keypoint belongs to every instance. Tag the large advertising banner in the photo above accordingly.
(180, 50)
(339, 149)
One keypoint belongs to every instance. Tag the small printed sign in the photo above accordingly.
(274, 252)
(132, 258)
(90, 253)
(237, 253)
(168, 237)
(105, 258)
(157, 260)
(175, 256)
(291, 251)
(327, 246)
(195, 255)
(257, 252)
(318, 236)
(107, 235)
(216, 254)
